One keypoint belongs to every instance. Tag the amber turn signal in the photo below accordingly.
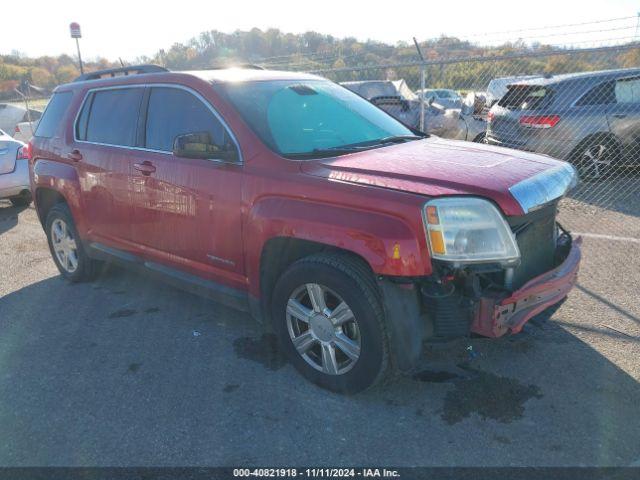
(437, 242)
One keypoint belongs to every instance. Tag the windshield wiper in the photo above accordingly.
(325, 152)
(384, 140)
(354, 147)
(400, 138)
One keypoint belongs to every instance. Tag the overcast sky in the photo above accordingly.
(131, 28)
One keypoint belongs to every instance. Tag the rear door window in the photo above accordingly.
(111, 117)
(174, 112)
(602, 94)
(53, 114)
(525, 97)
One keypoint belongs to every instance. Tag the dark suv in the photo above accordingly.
(286, 195)
(591, 119)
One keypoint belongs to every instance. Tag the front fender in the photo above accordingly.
(62, 178)
(387, 243)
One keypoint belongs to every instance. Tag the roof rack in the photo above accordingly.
(113, 72)
(248, 66)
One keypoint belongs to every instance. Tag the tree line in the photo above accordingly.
(273, 48)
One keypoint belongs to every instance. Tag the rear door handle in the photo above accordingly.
(146, 167)
(74, 155)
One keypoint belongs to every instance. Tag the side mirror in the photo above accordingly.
(200, 145)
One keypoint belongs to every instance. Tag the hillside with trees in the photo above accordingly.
(315, 51)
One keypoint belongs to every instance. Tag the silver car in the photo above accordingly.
(444, 96)
(14, 171)
(591, 119)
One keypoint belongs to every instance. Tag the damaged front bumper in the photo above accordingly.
(428, 309)
(494, 317)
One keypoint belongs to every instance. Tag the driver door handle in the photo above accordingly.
(146, 167)
(619, 115)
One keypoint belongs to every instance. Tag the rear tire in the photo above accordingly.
(481, 138)
(66, 247)
(22, 201)
(330, 323)
(597, 158)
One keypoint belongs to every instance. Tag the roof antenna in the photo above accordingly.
(121, 62)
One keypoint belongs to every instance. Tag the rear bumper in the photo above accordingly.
(14, 183)
(495, 317)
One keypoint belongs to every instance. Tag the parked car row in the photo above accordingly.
(462, 122)
(591, 119)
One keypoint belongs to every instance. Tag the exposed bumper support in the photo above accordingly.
(494, 317)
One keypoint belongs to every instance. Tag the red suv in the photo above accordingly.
(283, 194)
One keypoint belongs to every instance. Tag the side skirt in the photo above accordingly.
(230, 297)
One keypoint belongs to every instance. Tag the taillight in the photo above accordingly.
(539, 121)
(490, 116)
(17, 129)
(24, 152)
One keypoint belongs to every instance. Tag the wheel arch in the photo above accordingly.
(45, 198)
(55, 182)
(386, 243)
(595, 137)
(280, 252)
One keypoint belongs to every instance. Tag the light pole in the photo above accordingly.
(74, 28)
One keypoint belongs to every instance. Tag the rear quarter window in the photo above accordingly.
(627, 90)
(53, 114)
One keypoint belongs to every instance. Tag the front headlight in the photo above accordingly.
(468, 230)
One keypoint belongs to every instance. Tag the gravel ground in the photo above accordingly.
(128, 371)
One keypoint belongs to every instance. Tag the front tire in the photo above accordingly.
(330, 323)
(65, 246)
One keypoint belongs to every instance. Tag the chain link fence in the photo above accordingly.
(580, 105)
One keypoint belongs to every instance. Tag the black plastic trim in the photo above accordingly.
(228, 296)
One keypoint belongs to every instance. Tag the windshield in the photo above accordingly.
(294, 117)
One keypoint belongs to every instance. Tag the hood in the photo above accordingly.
(435, 167)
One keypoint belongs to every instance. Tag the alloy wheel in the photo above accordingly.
(64, 245)
(595, 159)
(323, 329)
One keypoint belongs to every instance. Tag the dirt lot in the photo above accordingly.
(129, 371)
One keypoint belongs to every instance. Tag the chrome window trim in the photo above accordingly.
(143, 149)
